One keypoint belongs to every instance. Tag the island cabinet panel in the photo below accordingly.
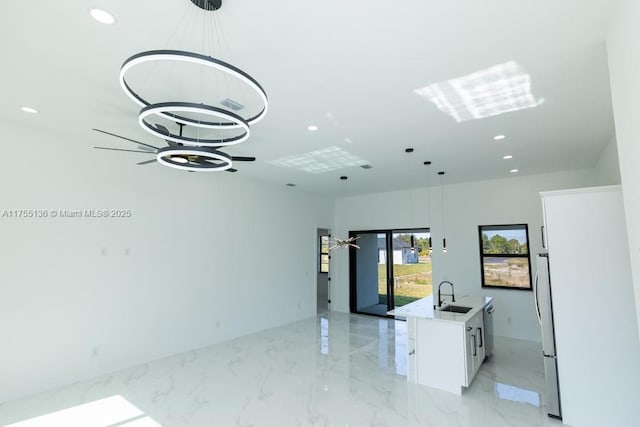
(474, 347)
(445, 348)
(440, 351)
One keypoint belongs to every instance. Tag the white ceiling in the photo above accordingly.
(349, 67)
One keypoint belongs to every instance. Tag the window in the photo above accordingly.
(323, 262)
(504, 256)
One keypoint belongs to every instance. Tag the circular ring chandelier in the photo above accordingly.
(186, 152)
(164, 108)
(194, 159)
(196, 58)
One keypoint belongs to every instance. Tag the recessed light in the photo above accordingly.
(29, 110)
(514, 171)
(507, 157)
(499, 137)
(312, 128)
(102, 16)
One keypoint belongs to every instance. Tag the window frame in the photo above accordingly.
(526, 255)
(321, 253)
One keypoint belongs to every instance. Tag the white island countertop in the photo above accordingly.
(423, 308)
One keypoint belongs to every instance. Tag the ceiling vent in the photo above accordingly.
(229, 103)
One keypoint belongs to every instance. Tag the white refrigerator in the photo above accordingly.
(544, 311)
(589, 308)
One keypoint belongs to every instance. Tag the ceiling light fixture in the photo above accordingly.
(179, 159)
(507, 157)
(499, 137)
(444, 239)
(189, 107)
(102, 16)
(514, 171)
(208, 4)
(312, 128)
(201, 115)
(29, 110)
(198, 159)
(194, 58)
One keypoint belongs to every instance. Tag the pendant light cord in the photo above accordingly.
(444, 233)
(442, 202)
(428, 163)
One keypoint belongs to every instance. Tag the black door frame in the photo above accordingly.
(353, 288)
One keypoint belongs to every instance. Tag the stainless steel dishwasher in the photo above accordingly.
(488, 329)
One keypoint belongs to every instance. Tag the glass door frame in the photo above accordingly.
(353, 287)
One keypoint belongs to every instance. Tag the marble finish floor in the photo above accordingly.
(333, 370)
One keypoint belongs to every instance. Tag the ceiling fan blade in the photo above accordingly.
(147, 162)
(148, 150)
(125, 138)
(243, 159)
(122, 149)
(162, 129)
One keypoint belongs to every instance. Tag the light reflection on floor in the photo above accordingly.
(114, 410)
(517, 394)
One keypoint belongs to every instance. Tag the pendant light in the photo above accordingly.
(428, 163)
(412, 238)
(444, 239)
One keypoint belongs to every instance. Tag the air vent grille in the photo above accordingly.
(229, 103)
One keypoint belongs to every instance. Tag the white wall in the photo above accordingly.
(623, 45)
(608, 167)
(203, 258)
(504, 201)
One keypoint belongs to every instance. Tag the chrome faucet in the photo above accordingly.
(453, 298)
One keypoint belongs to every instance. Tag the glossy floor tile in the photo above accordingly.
(333, 370)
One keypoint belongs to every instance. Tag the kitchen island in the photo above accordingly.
(444, 348)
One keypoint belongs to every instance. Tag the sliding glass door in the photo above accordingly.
(392, 268)
(411, 266)
(369, 273)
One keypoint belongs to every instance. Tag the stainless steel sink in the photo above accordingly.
(455, 309)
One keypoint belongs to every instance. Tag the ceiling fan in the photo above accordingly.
(192, 158)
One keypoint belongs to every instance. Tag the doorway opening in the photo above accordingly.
(322, 275)
(392, 268)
